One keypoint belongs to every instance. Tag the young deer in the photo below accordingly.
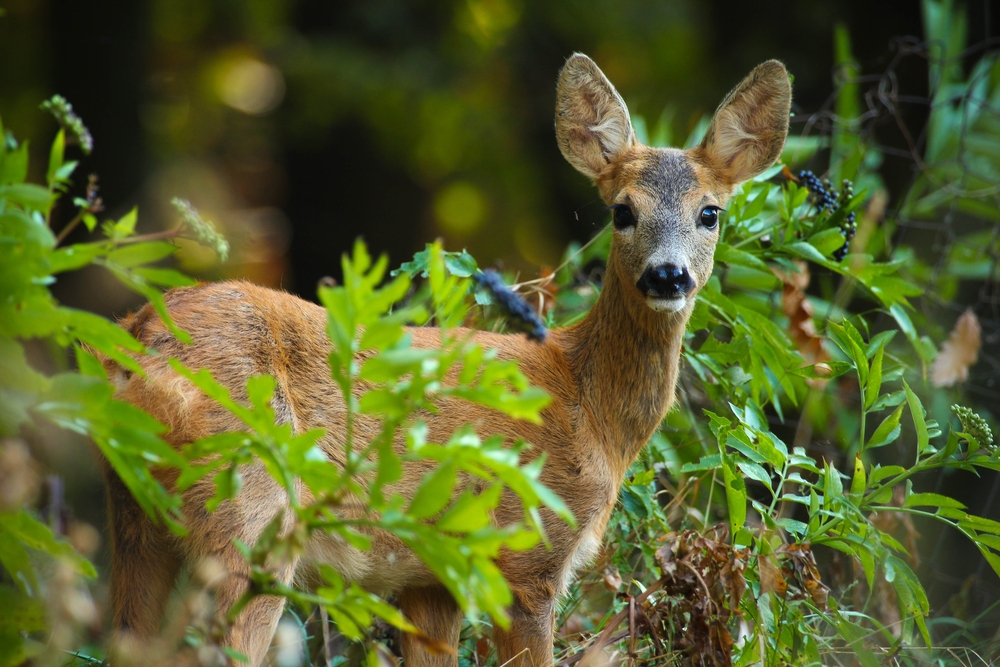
(611, 377)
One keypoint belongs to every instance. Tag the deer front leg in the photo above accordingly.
(251, 631)
(528, 641)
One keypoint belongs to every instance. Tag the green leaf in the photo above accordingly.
(56, 157)
(470, 511)
(931, 500)
(992, 559)
(887, 431)
(736, 496)
(755, 472)
(165, 277)
(848, 339)
(74, 257)
(827, 241)
(17, 563)
(434, 491)
(13, 163)
(141, 253)
(855, 636)
(807, 251)
(874, 378)
(460, 264)
(33, 533)
(124, 227)
(729, 255)
(858, 483)
(29, 196)
(919, 422)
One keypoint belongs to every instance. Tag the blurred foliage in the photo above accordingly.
(459, 545)
(444, 104)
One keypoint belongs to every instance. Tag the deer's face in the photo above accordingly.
(665, 215)
(666, 202)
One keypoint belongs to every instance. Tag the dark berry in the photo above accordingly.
(520, 313)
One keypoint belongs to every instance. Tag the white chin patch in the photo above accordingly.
(666, 305)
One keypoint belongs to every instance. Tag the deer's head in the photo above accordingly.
(665, 201)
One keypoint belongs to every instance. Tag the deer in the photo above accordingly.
(612, 378)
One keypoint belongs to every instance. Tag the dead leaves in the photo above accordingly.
(791, 573)
(798, 567)
(703, 581)
(799, 312)
(958, 353)
(688, 613)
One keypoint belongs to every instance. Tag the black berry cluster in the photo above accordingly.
(521, 314)
(823, 193)
(829, 200)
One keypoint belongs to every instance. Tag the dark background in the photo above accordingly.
(396, 121)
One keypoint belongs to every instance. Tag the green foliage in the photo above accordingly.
(759, 378)
(31, 256)
(373, 361)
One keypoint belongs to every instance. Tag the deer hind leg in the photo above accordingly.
(144, 566)
(528, 640)
(435, 613)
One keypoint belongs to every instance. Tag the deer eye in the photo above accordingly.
(623, 216)
(710, 217)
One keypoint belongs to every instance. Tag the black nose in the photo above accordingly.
(665, 281)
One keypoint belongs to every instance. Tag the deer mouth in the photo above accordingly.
(666, 304)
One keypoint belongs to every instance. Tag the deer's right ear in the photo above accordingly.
(592, 121)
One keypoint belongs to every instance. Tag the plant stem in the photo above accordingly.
(155, 236)
(70, 226)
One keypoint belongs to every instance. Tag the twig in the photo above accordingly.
(605, 637)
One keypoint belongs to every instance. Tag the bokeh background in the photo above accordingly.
(298, 126)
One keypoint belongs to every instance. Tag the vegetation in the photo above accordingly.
(743, 539)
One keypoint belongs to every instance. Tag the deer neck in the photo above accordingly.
(624, 357)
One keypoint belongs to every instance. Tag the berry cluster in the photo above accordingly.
(203, 231)
(974, 425)
(829, 200)
(67, 118)
(520, 313)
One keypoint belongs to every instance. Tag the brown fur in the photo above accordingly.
(611, 377)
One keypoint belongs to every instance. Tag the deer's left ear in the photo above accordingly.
(750, 126)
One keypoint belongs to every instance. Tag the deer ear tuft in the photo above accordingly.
(750, 126)
(592, 122)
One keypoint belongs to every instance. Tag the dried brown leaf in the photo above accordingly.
(958, 353)
(612, 579)
(799, 312)
(771, 580)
